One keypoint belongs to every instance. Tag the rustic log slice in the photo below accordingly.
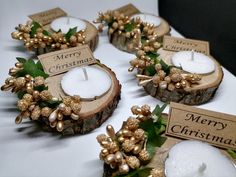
(196, 94)
(158, 161)
(94, 112)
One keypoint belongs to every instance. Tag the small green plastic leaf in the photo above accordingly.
(40, 88)
(50, 104)
(39, 65)
(20, 94)
(148, 127)
(160, 130)
(165, 67)
(232, 153)
(21, 60)
(45, 32)
(158, 110)
(153, 143)
(31, 68)
(71, 32)
(152, 55)
(150, 70)
(129, 27)
(21, 73)
(35, 26)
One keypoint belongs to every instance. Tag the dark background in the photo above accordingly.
(210, 20)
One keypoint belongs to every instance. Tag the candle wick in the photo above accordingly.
(192, 55)
(68, 20)
(85, 74)
(202, 168)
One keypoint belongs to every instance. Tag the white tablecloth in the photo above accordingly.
(25, 151)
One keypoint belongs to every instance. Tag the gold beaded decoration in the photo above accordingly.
(126, 150)
(43, 39)
(133, 29)
(29, 105)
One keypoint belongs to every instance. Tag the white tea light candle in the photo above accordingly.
(88, 82)
(65, 23)
(197, 159)
(193, 62)
(149, 18)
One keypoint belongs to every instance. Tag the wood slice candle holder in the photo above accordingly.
(128, 34)
(41, 96)
(196, 94)
(123, 43)
(91, 39)
(38, 35)
(93, 112)
(158, 160)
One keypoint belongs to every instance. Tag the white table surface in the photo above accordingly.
(26, 151)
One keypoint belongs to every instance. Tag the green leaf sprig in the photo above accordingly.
(232, 153)
(31, 68)
(154, 128)
(71, 32)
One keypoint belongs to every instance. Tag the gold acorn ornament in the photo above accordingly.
(128, 150)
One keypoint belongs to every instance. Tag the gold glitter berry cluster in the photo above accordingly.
(41, 38)
(29, 104)
(133, 29)
(126, 150)
(165, 77)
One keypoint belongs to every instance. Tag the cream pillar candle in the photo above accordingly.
(197, 159)
(148, 18)
(193, 62)
(88, 82)
(65, 23)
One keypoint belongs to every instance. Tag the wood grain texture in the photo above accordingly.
(93, 112)
(195, 95)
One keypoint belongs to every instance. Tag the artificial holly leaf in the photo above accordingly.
(148, 127)
(152, 55)
(21, 60)
(150, 70)
(141, 172)
(160, 129)
(21, 73)
(165, 67)
(39, 65)
(71, 32)
(153, 139)
(158, 111)
(50, 104)
(45, 32)
(31, 68)
(232, 153)
(129, 27)
(40, 88)
(35, 26)
(153, 143)
(20, 94)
